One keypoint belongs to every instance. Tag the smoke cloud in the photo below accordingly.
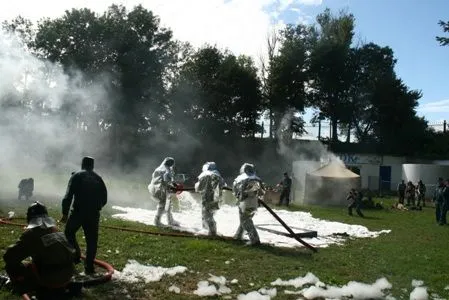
(51, 117)
(306, 157)
(35, 136)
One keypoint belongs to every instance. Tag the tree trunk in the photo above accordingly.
(348, 136)
(334, 130)
(271, 124)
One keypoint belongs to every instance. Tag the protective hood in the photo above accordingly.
(246, 172)
(166, 162)
(247, 169)
(209, 168)
(163, 167)
(41, 221)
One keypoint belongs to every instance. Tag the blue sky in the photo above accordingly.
(409, 27)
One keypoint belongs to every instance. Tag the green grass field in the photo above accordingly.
(416, 248)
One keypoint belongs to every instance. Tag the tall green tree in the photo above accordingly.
(374, 65)
(444, 41)
(332, 68)
(217, 94)
(129, 51)
(288, 76)
(23, 28)
(397, 127)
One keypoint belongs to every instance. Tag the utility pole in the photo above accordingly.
(319, 129)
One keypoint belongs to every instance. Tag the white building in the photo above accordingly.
(376, 171)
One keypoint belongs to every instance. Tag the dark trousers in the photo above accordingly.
(421, 198)
(285, 194)
(90, 226)
(441, 212)
(401, 197)
(26, 278)
(356, 205)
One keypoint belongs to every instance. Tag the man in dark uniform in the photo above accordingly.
(90, 194)
(52, 256)
(401, 191)
(355, 202)
(286, 184)
(421, 193)
(440, 195)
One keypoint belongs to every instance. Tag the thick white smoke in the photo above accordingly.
(39, 139)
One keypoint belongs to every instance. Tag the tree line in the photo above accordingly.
(161, 86)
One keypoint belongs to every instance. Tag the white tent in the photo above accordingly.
(330, 184)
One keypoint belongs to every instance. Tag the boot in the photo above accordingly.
(239, 234)
(252, 233)
(170, 219)
(212, 228)
(157, 219)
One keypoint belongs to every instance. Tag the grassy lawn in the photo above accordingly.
(416, 248)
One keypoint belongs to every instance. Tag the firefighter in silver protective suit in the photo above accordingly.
(247, 187)
(209, 185)
(162, 188)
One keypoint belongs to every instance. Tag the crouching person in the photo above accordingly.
(247, 188)
(52, 257)
(209, 185)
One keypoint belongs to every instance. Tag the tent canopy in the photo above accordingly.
(334, 170)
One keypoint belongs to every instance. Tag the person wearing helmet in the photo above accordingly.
(247, 188)
(52, 256)
(209, 185)
(89, 194)
(162, 187)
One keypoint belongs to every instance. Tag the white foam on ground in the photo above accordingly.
(206, 288)
(269, 292)
(416, 283)
(220, 280)
(174, 289)
(419, 293)
(253, 296)
(352, 289)
(134, 272)
(297, 282)
(317, 289)
(227, 219)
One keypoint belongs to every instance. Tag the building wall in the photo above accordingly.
(299, 171)
(369, 166)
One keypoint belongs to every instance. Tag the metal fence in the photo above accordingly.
(316, 131)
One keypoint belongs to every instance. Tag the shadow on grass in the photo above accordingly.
(277, 251)
(371, 218)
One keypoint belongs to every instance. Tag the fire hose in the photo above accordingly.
(180, 189)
